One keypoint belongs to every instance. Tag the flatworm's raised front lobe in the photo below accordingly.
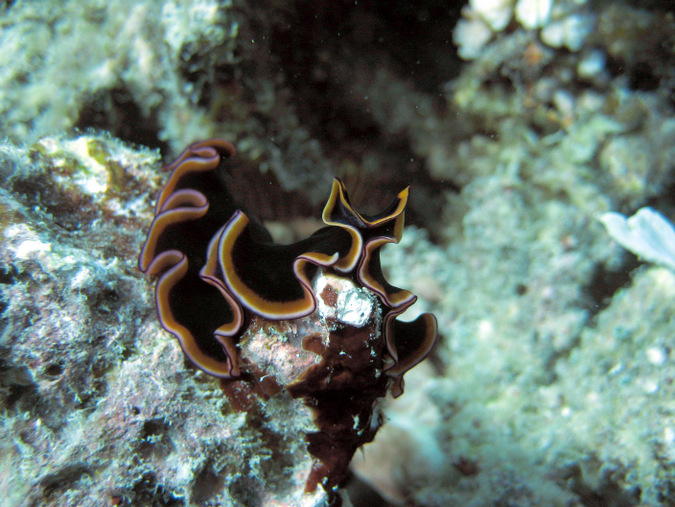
(218, 268)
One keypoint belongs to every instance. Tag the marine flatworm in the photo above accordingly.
(219, 271)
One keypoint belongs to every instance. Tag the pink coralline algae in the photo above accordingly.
(315, 319)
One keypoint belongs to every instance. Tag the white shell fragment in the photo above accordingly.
(533, 13)
(592, 64)
(354, 307)
(647, 234)
(570, 32)
(470, 35)
(495, 13)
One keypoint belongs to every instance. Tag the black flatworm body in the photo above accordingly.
(218, 270)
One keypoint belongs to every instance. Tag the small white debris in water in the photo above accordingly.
(656, 356)
(650, 387)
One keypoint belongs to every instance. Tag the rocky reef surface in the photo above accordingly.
(518, 125)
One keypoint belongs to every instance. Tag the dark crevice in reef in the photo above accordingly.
(243, 492)
(16, 385)
(116, 111)
(360, 493)
(322, 44)
(154, 442)
(427, 200)
(63, 479)
(649, 66)
(8, 274)
(207, 485)
(642, 77)
(607, 493)
(148, 491)
(605, 281)
(665, 201)
(652, 5)
(641, 74)
(412, 39)
(418, 37)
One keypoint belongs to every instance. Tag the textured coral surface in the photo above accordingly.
(518, 124)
